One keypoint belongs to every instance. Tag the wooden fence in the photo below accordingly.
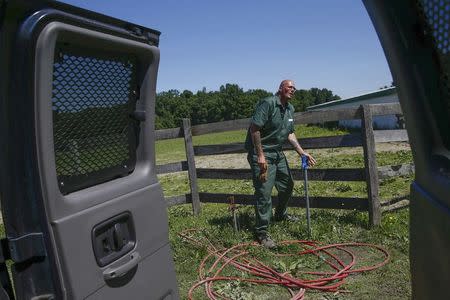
(367, 139)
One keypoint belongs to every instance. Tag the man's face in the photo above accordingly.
(287, 90)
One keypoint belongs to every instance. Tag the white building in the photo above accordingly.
(388, 95)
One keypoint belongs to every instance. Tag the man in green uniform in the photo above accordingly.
(271, 125)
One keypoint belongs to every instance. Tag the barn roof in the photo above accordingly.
(388, 95)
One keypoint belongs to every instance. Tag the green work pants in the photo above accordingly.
(278, 175)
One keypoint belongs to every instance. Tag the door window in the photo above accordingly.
(94, 95)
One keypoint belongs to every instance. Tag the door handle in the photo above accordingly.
(113, 239)
(111, 273)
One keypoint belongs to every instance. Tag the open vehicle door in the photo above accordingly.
(415, 36)
(84, 215)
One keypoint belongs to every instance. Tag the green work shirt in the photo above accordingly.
(276, 123)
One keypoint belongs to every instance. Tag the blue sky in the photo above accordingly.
(255, 44)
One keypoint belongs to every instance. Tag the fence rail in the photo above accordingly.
(297, 174)
(366, 139)
(348, 140)
(307, 117)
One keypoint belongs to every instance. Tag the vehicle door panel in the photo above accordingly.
(94, 196)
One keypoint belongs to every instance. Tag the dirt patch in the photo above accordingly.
(237, 161)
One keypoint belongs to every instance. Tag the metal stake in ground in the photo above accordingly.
(233, 209)
(305, 177)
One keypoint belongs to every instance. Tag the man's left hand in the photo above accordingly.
(311, 160)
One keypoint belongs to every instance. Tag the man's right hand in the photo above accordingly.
(256, 139)
(262, 161)
(262, 168)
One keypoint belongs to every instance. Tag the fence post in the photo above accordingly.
(187, 133)
(370, 164)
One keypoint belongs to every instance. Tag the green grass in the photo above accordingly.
(329, 226)
(173, 150)
(178, 183)
(332, 158)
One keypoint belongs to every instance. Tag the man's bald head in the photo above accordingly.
(285, 82)
(286, 90)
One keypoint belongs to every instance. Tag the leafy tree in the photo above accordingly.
(228, 103)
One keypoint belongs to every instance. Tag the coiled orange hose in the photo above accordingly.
(259, 273)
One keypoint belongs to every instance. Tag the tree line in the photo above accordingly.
(228, 103)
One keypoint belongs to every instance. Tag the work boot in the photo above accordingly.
(288, 218)
(266, 241)
(291, 218)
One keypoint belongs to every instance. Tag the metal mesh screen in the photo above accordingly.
(94, 136)
(436, 14)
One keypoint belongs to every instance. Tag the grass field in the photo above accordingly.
(328, 226)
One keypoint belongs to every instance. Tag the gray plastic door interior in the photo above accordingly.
(416, 38)
(94, 99)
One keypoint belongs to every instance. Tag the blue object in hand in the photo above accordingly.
(304, 162)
